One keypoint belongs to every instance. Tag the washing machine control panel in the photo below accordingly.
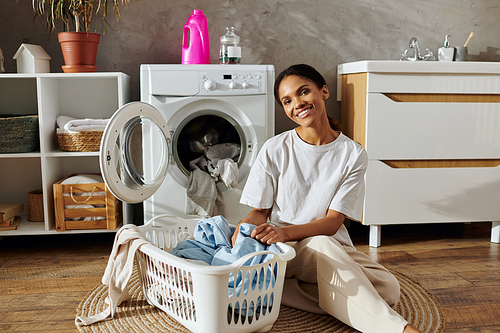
(232, 82)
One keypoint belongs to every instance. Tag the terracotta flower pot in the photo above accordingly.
(79, 51)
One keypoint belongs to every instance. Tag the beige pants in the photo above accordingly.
(329, 277)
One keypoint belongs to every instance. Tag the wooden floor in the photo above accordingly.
(44, 278)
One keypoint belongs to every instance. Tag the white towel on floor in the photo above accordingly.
(118, 271)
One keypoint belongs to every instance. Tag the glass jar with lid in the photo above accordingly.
(229, 49)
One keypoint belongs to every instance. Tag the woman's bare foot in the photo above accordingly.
(411, 329)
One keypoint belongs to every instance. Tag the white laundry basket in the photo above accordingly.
(204, 298)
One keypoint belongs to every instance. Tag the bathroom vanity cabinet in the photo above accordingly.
(432, 134)
(79, 95)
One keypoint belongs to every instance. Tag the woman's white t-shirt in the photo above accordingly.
(300, 182)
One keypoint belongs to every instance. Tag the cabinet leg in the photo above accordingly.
(495, 232)
(375, 234)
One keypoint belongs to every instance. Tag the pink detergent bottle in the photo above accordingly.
(195, 42)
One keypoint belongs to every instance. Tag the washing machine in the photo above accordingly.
(147, 146)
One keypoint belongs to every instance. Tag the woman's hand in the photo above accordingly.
(256, 217)
(268, 234)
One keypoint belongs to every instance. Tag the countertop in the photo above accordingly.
(394, 66)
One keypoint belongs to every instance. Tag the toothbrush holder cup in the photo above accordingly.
(461, 53)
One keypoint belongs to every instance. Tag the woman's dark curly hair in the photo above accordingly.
(307, 72)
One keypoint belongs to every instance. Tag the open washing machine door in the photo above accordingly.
(135, 152)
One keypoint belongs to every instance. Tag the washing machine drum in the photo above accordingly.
(200, 130)
(135, 152)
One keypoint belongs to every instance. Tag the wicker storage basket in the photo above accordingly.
(19, 133)
(35, 206)
(96, 209)
(79, 141)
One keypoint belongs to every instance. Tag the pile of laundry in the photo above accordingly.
(211, 244)
(218, 163)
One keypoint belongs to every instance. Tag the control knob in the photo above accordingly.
(245, 85)
(210, 85)
(232, 85)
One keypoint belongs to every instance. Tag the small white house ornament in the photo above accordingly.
(32, 59)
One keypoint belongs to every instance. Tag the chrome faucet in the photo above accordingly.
(416, 52)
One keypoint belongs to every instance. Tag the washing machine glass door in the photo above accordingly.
(135, 152)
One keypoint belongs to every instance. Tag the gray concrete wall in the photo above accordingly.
(322, 33)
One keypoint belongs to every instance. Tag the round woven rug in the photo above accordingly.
(416, 305)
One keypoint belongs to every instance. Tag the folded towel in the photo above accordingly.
(86, 125)
(78, 125)
(63, 120)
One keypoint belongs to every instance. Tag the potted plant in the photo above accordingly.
(79, 47)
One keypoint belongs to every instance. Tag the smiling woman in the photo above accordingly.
(314, 79)
(305, 182)
(304, 103)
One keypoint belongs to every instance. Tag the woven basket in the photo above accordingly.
(18, 133)
(79, 141)
(35, 206)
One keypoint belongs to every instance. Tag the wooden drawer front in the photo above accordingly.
(434, 83)
(396, 196)
(397, 130)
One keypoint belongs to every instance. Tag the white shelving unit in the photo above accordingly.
(79, 95)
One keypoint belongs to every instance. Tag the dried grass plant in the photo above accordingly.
(78, 12)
